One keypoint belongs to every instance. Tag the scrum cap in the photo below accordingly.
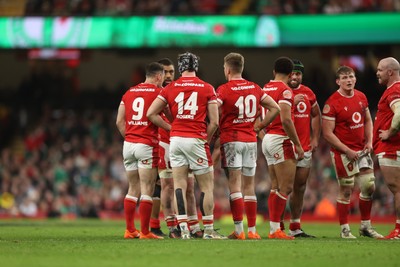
(188, 61)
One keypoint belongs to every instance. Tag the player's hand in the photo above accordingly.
(300, 152)
(313, 144)
(367, 148)
(298, 98)
(257, 127)
(384, 135)
(352, 155)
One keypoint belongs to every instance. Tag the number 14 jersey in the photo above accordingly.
(188, 98)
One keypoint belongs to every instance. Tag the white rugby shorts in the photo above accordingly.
(137, 155)
(193, 152)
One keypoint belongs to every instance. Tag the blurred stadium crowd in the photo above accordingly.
(204, 7)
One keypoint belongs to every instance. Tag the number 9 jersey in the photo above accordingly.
(138, 128)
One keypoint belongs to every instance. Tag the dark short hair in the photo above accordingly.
(153, 69)
(343, 70)
(166, 62)
(298, 66)
(283, 65)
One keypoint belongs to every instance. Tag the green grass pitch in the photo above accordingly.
(100, 243)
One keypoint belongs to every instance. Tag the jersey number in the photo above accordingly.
(138, 106)
(247, 106)
(191, 103)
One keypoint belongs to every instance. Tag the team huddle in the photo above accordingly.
(169, 126)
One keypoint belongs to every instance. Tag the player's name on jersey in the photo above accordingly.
(190, 84)
(138, 123)
(142, 90)
(356, 126)
(270, 88)
(243, 120)
(301, 115)
(185, 116)
(245, 87)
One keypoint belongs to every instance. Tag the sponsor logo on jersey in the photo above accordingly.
(301, 107)
(326, 108)
(190, 84)
(356, 117)
(287, 94)
(270, 88)
(245, 87)
(142, 90)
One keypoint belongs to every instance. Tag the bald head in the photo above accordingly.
(390, 63)
(388, 71)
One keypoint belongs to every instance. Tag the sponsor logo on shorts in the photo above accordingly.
(200, 160)
(350, 166)
(277, 156)
(145, 162)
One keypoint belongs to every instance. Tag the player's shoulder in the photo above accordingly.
(359, 93)
(395, 87)
(306, 89)
(333, 98)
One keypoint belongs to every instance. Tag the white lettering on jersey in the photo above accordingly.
(190, 84)
(245, 87)
(138, 123)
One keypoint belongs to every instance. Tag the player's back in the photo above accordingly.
(188, 98)
(138, 128)
(281, 93)
(240, 106)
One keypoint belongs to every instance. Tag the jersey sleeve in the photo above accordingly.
(220, 94)
(393, 97)
(313, 99)
(286, 97)
(329, 111)
(163, 95)
(212, 98)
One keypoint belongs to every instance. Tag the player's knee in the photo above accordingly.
(346, 186)
(286, 189)
(249, 171)
(346, 182)
(367, 185)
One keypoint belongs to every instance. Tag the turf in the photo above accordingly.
(100, 243)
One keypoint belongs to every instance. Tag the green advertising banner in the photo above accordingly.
(377, 28)
(198, 31)
(136, 32)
